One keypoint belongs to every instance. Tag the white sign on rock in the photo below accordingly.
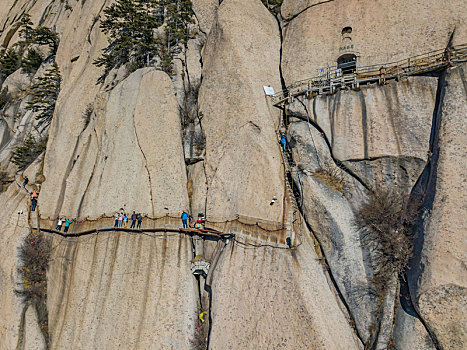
(268, 90)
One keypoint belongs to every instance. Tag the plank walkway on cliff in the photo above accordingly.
(205, 233)
(333, 79)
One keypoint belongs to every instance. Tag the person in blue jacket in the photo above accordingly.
(283, 141)
(185, 219)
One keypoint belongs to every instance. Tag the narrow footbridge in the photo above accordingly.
(205, 233)
(333, 78)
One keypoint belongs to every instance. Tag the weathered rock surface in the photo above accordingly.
(439, 276)
(292, 8)
(117, 290)
(130, 154)
(385, 31)
(381, 133)
(269, 298)
(409, 332)
(13, 229)
(33, 339)
(330, 216)
(242, 161)
(205, 11)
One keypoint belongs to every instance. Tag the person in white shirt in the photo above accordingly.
(59, 225)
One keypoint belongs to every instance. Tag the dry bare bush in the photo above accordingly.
(331, 177)
(386, 231)
(34, 255)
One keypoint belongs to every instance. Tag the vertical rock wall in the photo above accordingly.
(121, 291)
(14, 227)
(438, 275)
(243, 170)
(268, 298)
(130, 154)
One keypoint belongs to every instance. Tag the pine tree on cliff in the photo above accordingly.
(26, 24)
(39, 35)
(9, 62)
(44, 95)
(25, 154)
(32, 61)
(178, 16)
(131, 26)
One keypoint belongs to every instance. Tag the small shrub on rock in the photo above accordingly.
(331, 177)
(39, 35)
(87, 115)
(273, 5)
(4, 180)
(44, 95)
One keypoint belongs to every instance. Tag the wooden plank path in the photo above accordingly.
(205, 233)
(334, 79)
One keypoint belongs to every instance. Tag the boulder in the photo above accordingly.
(16, 83)
(205, 11)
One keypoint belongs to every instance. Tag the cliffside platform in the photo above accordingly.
(334, 78)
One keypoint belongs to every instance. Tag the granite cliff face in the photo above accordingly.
(205, 139)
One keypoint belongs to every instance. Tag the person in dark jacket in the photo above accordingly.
(34, 196)
(140, 220)
(33, 203)
(133, 219)
(25, 182)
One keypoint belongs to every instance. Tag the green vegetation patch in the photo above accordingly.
(25, 154)
(132, 25)
(44, 95)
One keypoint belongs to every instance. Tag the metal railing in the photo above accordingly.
(332, 78)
